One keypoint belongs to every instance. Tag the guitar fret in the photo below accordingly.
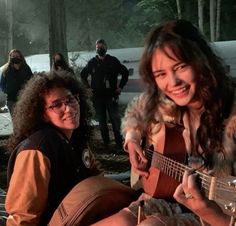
(176, 170)
(169, 167)
(218, 189)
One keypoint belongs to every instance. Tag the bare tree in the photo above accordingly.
(212, 19)
(218, 14)
(57, 28)
(201, 14)
(179, 9)
(9, 16)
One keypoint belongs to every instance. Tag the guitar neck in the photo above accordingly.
(176, 170)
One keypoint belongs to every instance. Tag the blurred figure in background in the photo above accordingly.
(60, 66)
(104, 71)
(15, 73)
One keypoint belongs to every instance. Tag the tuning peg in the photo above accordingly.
(230, 207)
(232, 183)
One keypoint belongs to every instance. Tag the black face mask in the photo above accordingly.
(15, 60)
(58, 63)
(101, 52)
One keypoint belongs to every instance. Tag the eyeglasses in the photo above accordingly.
(59, 106)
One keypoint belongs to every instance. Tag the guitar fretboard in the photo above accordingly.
(211, 187)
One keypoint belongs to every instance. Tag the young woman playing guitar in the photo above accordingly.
(181, 116)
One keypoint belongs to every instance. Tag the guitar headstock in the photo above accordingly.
(224, 194)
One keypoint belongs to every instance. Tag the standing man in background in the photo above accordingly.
(104, 70)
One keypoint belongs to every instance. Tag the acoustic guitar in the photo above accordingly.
(165, 174)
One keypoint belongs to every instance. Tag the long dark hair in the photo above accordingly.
(8, 65)
(64, 65)
(29, 110)
(215, 88)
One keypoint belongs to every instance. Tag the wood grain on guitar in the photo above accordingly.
(166, 172)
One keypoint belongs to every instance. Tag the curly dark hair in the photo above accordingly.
(215, 88)
(29, 110)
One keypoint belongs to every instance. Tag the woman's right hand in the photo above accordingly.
(137, 158)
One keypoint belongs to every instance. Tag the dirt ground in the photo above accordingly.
(113, 159)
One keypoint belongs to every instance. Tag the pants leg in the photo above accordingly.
(100, 108)
(114, 115)
(160, 212)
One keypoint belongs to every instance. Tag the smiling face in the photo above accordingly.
(175, 79)
(62, 110)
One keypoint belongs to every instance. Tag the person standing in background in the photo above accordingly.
(104, 70)
(16, 72)
(59, 65)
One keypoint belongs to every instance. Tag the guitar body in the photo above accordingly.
(166, 169)
(159, 184)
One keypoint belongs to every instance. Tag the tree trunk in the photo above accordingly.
(57, 29)
(212, 20)
(9, 16)
(201, 15)
(218, 14)
(179, 9)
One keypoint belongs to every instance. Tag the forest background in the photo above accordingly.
(25, 24)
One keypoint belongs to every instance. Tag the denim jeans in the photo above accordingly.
(110, 105)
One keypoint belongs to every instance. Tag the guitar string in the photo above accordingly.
(169, 164)
(205, 185)
(179, 170)
(180, 166)
(204, 177)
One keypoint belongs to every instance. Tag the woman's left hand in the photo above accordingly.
(189, 195)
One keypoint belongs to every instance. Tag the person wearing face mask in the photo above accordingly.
(60, 66)
(104, 70)
(15, 73)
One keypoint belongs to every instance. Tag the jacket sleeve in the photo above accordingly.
(84, 75)
(30, 71)
(3, 82)
(124, 75)
(28, 189)
(133, 124)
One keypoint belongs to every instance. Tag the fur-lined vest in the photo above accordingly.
(135, 128)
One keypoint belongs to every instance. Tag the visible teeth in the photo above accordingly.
(179, 90)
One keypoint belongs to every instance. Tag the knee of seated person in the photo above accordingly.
(168, 220)
(126, 218)
(154, 221)
(151, 221)
(123, 217)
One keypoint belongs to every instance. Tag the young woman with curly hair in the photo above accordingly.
(187, 99)
(49, 145)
